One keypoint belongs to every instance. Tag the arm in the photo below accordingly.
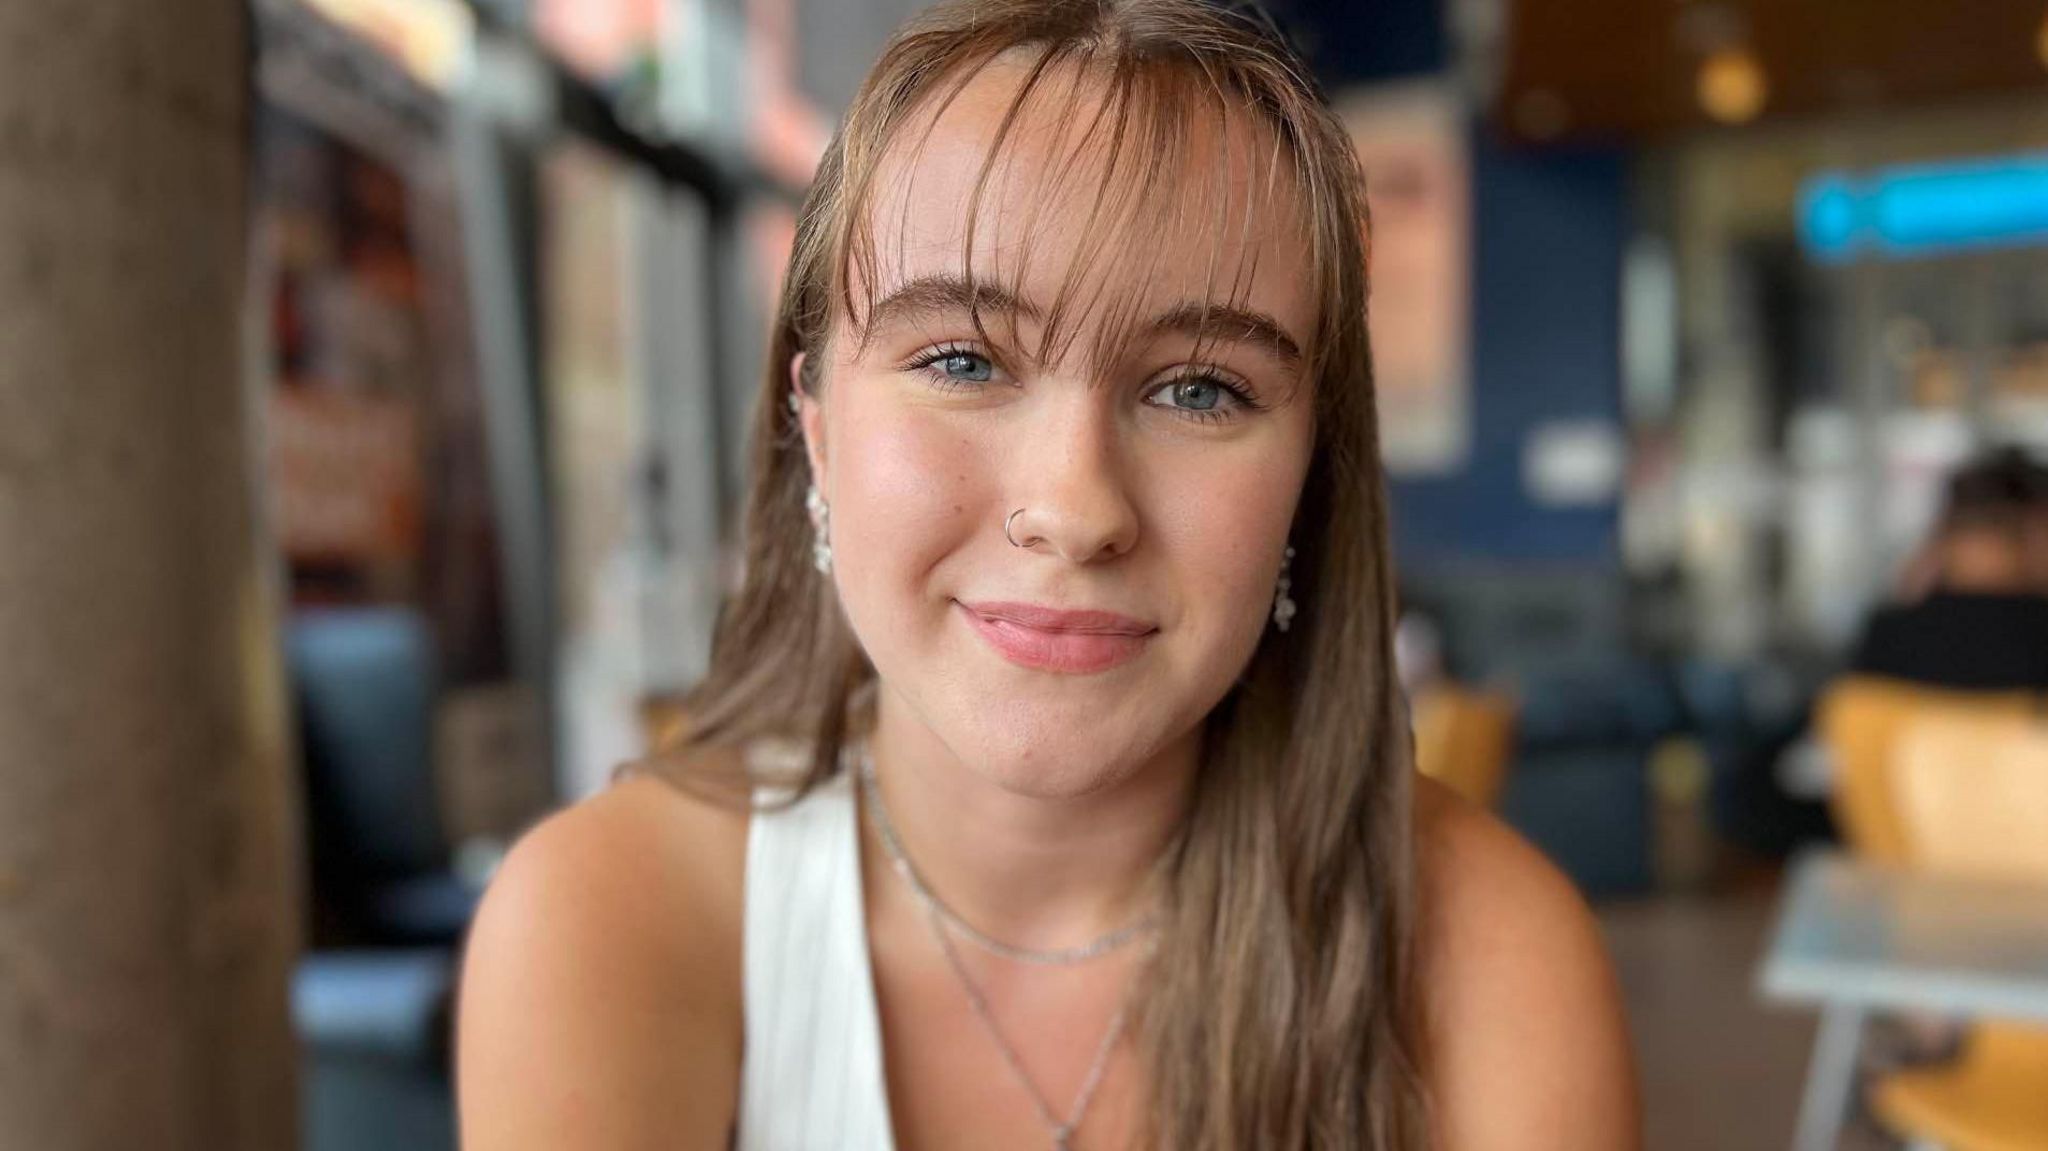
(1529, 1047)
(600, 994)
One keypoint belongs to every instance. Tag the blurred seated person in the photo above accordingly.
(1973, 610)
(1971, 614)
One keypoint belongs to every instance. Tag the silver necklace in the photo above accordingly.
(893, 848)
(938, 916)
(1062, 1132)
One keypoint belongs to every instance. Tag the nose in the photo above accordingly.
(1075, 491)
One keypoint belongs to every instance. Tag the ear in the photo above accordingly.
(810, 417)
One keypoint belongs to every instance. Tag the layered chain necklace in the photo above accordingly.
(942, 918)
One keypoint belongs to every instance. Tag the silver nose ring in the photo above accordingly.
(1012, 518)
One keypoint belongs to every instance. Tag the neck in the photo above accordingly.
(1032, 871)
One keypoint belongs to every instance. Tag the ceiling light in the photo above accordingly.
(1731, 86)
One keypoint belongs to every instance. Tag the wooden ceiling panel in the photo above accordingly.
(1627, 70)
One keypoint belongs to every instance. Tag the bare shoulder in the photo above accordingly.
(600, 1001)
(1529, 1046)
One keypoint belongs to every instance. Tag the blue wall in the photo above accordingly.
(1546, 327)
(1527, 595)
(1549, 230)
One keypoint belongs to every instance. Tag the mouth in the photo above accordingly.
(1050, 639)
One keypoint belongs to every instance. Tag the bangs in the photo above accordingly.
(1145, 155)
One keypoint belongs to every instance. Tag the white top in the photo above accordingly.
(811, 1078)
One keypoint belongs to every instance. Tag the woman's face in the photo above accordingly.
(1158, 477)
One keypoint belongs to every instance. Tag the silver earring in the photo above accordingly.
(1283, 603)
(821, 526)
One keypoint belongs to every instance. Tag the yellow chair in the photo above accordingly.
(1972, 799)
(1973, 794)
(1859, 719)
(1994, 1098)
(1464, 739)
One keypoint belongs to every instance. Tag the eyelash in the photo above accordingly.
(925, 362)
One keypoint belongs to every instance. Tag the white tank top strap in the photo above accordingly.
(811, 1077)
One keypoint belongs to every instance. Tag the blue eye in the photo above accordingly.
(1197, 395)
(951, 366)
(966, 366)
(1201, 397)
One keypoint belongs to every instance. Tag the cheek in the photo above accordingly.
(1227, 551)
(904, 490)
(1225, 527)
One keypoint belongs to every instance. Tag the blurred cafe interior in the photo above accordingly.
(1712, 349)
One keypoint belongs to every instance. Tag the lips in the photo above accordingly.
(1056, 640)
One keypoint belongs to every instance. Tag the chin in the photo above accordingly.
(1048, 781)
(1053, 752)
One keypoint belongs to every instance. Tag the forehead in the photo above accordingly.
(1110, 201)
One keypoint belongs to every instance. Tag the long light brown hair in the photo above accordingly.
(1281, 1012)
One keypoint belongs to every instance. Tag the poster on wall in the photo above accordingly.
(351, 369)
(345, 476)
(1411, 141)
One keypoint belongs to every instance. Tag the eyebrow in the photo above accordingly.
(945, 294)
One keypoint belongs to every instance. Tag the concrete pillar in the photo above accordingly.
(148, 875)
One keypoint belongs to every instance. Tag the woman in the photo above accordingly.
(1067, 580)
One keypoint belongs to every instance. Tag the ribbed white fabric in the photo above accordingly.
(811, 1077)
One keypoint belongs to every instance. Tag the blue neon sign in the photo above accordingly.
(1926, 209)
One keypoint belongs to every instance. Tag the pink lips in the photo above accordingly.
(1047, 639)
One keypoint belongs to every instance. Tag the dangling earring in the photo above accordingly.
(814, 503)
(1283, 604)
(821, 526)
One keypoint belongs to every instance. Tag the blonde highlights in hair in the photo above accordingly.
(1282, 1010)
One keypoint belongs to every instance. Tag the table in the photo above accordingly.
(1856, 937)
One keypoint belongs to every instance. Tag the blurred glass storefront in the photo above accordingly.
(1836, 391)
